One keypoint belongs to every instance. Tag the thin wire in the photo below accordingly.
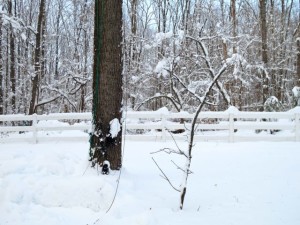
(123, 154)
(123, 142)
(123, 151)
(119, 177)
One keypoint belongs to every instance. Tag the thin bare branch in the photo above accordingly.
(165, 176)
(179, 150)
(180, 168)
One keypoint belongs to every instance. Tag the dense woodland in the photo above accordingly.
(172, 50)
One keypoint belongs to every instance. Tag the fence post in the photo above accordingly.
(164, 125)
(297, 126)
(231, 127)
(34, 125)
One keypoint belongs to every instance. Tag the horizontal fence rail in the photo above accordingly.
(157, 126)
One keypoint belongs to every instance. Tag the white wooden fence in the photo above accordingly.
(157, 126)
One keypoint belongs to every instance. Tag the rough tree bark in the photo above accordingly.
(1, 70)
(107, 83)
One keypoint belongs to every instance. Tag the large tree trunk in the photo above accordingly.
(264, 47)
(37, 59)
(107, 83)
(1, 73)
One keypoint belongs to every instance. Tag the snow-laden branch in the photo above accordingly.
(60, 94)
(211, 69)
(186, 87)
(192, 92)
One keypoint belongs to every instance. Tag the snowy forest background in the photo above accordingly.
(171, 52)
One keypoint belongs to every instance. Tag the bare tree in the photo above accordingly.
(134, 5)
(186, 169)
(234, 24)
(214, 78)
(58, 19)
(12, 60)
(37, 58)
(264, 48)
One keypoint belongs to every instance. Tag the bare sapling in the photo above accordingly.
(187, 166)
(188, 154)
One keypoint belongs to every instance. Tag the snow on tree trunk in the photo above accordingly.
(296, 96)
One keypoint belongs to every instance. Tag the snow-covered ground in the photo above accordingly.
(232, 184)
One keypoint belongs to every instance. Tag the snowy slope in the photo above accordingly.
(232, 184)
